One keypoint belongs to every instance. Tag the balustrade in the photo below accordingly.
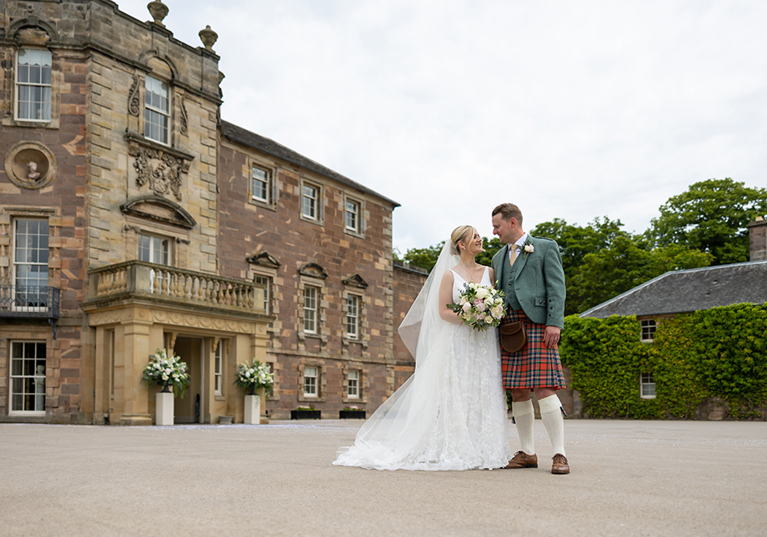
(138, 277)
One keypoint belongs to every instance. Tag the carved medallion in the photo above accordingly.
(30, 165)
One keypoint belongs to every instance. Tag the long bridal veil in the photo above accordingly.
(418, 427)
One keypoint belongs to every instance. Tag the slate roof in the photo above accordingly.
(684, 291)
(256, 141)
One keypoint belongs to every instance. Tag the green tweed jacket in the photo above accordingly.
(537, 278)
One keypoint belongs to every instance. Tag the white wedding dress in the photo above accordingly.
(451, 413)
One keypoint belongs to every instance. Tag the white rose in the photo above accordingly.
(482, 293)
(467, 307)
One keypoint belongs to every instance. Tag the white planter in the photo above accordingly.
(164, 410)
(252, 409)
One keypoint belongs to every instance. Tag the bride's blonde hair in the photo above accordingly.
(458, 235)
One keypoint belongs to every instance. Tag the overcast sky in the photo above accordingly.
(570, 109)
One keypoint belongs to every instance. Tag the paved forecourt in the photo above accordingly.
(628, 478)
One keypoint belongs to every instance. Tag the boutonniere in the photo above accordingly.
(529, 249)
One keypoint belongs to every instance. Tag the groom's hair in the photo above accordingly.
(509, 211)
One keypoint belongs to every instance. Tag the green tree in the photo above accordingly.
(711, 216)
(425, 258)
(575, 242)
(625, 264)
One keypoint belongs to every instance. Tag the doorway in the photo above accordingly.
(189, 409)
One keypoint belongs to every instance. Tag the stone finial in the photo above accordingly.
(158, 10)
(208, 38)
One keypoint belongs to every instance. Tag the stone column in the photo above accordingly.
(101, 375)
(135, 356)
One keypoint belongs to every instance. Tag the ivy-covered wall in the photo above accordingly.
(715, 357)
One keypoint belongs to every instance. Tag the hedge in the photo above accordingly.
(720, 353)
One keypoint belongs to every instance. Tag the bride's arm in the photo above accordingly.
(446, 297)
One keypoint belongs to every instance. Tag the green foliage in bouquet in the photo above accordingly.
(251, 377)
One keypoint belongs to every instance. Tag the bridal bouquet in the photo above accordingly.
(480, 306)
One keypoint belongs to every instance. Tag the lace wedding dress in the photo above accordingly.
(451, 413)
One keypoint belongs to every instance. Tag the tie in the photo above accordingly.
(513, 255)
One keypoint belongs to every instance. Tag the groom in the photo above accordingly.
(529, 271)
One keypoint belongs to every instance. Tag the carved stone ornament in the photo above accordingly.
(30, 165)
(208, 38)
(184, 117)
(313, 270)
(356, 281)
(264, 259)
(158, 11)
(157, 167)
(134, 104)
(158, 209)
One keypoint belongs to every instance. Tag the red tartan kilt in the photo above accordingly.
(536, 365)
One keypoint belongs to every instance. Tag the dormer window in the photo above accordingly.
(156, 111)
(33, 85)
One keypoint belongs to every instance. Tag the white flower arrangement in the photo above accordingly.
(480, 306)
(251, 377)
(529, 249)
(167, 371)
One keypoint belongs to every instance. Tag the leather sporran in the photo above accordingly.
(513, 336)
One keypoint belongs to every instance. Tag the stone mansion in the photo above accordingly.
(133, 218)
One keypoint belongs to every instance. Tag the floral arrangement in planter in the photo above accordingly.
(305, 413)
(352, 412)
(251, 377)
(167, 371)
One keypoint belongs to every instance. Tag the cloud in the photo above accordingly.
(570, 109)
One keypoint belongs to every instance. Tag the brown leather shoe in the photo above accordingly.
(523, 460)
(560, 466)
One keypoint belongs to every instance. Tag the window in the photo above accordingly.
(33, 85)
(259, 184)
(309, 201)
(352, 316)
(153, 249)
(353, 385)
(27, 376)
(267, 283)
(30, 262)
(310, 381)
(647, 386)
(352, 218)
(310, 309)
(156, 110)
(648, 330)
(218, 361)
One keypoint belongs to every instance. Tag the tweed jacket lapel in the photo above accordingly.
(504, 268)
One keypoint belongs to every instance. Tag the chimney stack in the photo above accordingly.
(757, 238)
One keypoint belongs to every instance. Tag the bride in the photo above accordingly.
(451, 413)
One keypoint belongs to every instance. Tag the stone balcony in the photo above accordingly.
(175, 288)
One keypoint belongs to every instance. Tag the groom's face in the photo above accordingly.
(504, 228)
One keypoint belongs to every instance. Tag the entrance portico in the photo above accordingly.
(131, 325)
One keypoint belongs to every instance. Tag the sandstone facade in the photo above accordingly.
(157, 238)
